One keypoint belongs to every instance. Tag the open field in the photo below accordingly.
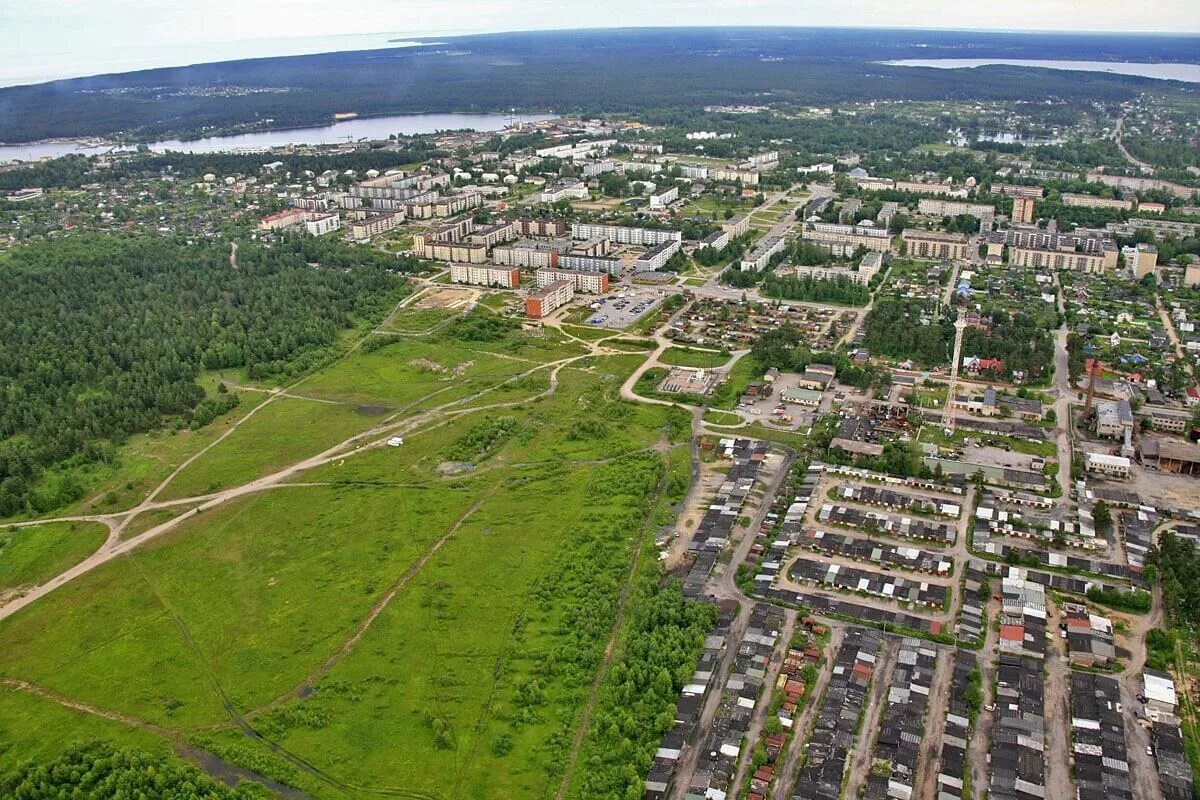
(29, 556)
(690, 357)
(285, 431)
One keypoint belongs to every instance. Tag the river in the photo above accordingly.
(1189, 73)
(349, 130)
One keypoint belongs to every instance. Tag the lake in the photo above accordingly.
(349, 130)
(1174, 72)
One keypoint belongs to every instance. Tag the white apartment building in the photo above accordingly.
(482, 275)
(619, 234)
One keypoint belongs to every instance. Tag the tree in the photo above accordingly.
(1102, 517)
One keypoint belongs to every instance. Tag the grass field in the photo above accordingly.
(285, 431)
(690, 357)
(471, 679)
(419, 320)
(29, 556)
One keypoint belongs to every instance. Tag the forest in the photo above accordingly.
(840, 290)
(893, 328)
(588, 71)
(1176, 566)
(79, 372)
(1017, 341)
(99, 770)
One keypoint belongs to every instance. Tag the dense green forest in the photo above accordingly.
(99, 772)
(839, 290)
(1017, 341)
(1176, 566)
(893, 328)
(102, 337)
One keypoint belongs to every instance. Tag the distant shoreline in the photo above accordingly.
(1182, 71)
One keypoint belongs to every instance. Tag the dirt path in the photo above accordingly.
(763, 707)
(1058, 721)
(864, 745)
(929, 763)
(790, 764)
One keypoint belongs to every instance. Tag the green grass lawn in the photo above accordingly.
(285, 431)
(30, 556)
(690, 357)
(419, 320)
(715, 417)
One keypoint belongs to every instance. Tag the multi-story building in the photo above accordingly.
(579, 150)
(493, 235)
(955, 208)
(1016, 190)
(1161, 228)
(717, 240)
(1140, 259)
(736, 226)
(581, 263)
(464, 252)
(843, 240)
(734, 174)
(1091, 201)
(596, 246)
(545, 300)
(564, 190)
(591, 169)
(375, 224)
(760, 258)
(619, 234)
(583, 282)
(530, 253)
(934, 244)
(292, 217)
(544, 226)
(664, 197)
(1034, 247)
(644, 147)
(476, 275)
(656, 256)
(862, 275)
(696, 172)
(457, 204)
(1023, 210)
(917, 187)
(322, 224)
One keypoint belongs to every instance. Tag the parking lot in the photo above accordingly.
(623, 309)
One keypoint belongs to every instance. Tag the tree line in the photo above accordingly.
(104, 337)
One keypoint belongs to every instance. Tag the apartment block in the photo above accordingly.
(843, 240)
(375, 224)
(582, 282)
(493, 235)
(565, 190)
(953, 208)
(717, 240)
(1141, 260)
(737, 226)
(664, 197)
(530, 254)
(1091, 201)
(547, 299)
(580, 263)
(323, 224)
(656, 257)
(1023, 210)
(505, 277)
(760, 257)
(1016, 190)
(553, 228)
(934, 244)
(619, 234)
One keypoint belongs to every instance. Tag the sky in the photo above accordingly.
(49, 39)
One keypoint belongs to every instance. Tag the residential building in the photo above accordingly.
(1016, 190)
(545, 226)
(322, 224)
(717, 240)
(564, 190)
(591, 169)
(955, 208)
(581, 263)
(844, 240)
(375, 224)
(1092, 201)
(571, 152)
(664, 197)
(734, 174)
(737, 226)
(476, 275)
(530, 254)
(493, 235)
(465, 252)
(934, 244)
(760, 257)
(619, 234)
(917, 187)
(656, 257)
(545, 300)
(1151, 208)
(861, 275)
(1023, 209)
(1140, 259)
(582, 282)
(696, 172)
